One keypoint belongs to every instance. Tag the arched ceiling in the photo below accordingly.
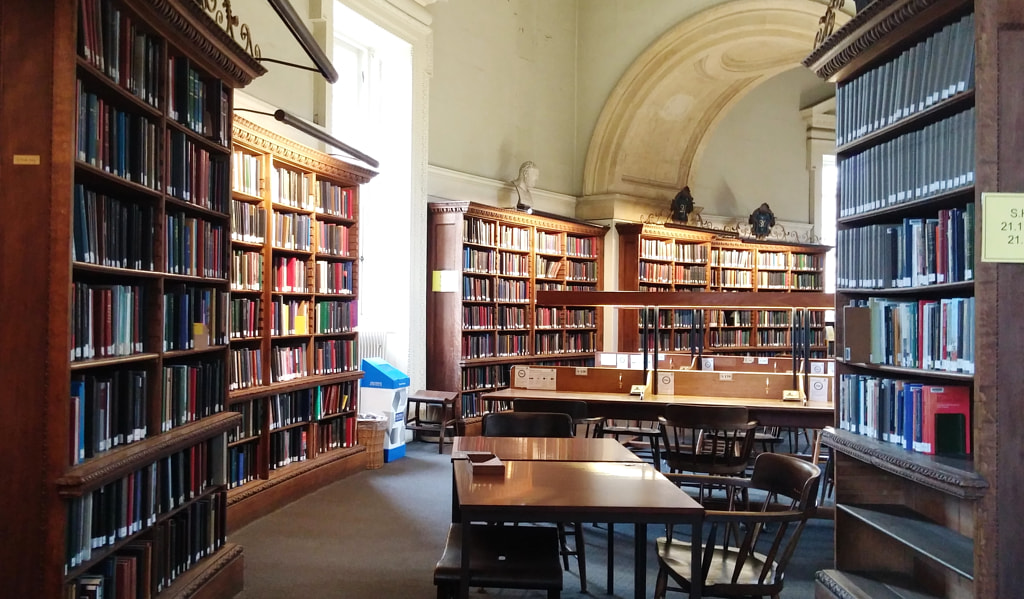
(659, 117)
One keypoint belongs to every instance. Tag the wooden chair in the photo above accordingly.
(505, 557)
(713, 440)
(543, 424)
(745, 553)
(583, 424)
(527, 424)
(642, 436)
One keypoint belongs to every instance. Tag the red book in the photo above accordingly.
(946, 420)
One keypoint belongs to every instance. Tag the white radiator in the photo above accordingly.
(373, 344)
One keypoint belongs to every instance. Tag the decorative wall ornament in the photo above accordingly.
(228, 20)
(528, 173)
(761, 221)
(827, 22)
(682, 205)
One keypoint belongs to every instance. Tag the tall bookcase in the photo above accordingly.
(485, 265)
(115, 163)
(658, 258)
(294, 372)
(928, 118)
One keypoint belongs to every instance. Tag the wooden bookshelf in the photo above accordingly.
(294, 347)
(656, 258)
(116, 117)
(906, 521)
(482, 317)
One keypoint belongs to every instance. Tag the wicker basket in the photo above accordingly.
(370, 433)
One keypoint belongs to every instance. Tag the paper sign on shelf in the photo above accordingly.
(707, 364)
(622, 361)
(445, 280)
(636, 361)
(607, 359)
(1002, 227)
(666, 383)
(536, 378)
(817, 368)
(817, 388)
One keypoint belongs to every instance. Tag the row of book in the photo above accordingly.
(245, 317)
(915, 253)
(246, 173)
(195, 247)
(113, 44)
(922, 417)
(929, 334)
(332, 239)
(333, 356)
(291, 188)
(190, 392)
(289, 275)
(196, 103)
(246, 270)
(111, 232)
(732, 258)
(289, 317)
(581, 271)
(122, 508)
(547, 317)
(549, 243)
(107, 411)
(334, 277)
(478, 346)
(333, 317)
(287, 409)
(923, 75)
(673, 251)
(580, 247)
(742, 279)
(194, 317)
(292, 231)
(287, 446)
(548, 268)
(920, 164)
(514, 344)
(336, 200)
(248, 222)
(246, 368)
(144, 566)
(482, 317)
(121, 143)
(195, 175)
(513, 238)
(243, 464)
(485, 377)
(578, 342)
(335, 434)
(106, 320)
(253, 417)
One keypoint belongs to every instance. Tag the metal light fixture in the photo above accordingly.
(320, 133)
(301, 33)
(313, 130)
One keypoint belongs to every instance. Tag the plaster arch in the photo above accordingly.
(658, 119)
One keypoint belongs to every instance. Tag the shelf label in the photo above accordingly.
(1002, 227)
(26, 159)
(445, 281)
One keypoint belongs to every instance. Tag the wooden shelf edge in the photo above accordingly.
(929, 539)
(848, 585)
(292, 385)
(119, 462)
(219, 575)
(953, 476)
(256, 499)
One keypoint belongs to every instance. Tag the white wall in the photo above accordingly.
(503, 89)
(758, 153)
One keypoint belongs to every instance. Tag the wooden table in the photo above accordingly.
(562, 491)
(571, 449)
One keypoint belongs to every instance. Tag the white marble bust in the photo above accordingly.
(528, 173)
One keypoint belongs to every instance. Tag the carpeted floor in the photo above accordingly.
(379, 533)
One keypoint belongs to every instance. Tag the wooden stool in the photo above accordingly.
(505, 557)
(445, 403)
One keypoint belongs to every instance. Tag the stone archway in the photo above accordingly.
(657, 120)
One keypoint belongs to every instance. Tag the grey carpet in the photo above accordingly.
(378, 534)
